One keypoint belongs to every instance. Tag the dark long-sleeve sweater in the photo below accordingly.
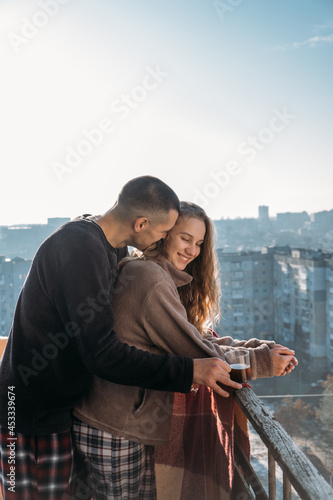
(62, 334)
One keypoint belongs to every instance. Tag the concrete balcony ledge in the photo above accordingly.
(298, 471)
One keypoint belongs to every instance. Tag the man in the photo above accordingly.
(62, 334)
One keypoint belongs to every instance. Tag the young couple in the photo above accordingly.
(170, 296)
(72, 315)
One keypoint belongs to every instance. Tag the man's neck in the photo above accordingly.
(115, 230)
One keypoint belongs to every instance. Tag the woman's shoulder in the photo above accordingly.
(146, 270)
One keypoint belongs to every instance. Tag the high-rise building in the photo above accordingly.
(329, 308)
(263, 213)
(322, 221)
(247, 294)
(300, 312)
(291, 221)
(12, 276)
(282, 294)
(24, 240)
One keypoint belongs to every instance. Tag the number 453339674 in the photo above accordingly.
(11, 410)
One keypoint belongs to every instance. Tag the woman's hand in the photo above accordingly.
(211, 372)
(284, 360)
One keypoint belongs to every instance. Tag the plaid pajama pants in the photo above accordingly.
(37, 467)
(119, 469)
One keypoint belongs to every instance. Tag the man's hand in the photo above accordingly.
(284, 360)
(210, 371)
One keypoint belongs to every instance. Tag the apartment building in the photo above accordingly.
(24, 240)
(322, 221)
(12, 276)
(300, 312)
(247, 294)
(329, 308)
(280, 293)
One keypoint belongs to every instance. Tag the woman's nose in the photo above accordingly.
(191, 250)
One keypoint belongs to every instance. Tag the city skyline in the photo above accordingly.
(46, 217)
(230, 103)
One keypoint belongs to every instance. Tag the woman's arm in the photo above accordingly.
(229, 341)
(283, 358)
(166, 324)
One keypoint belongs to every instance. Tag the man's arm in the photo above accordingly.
(210, 372)
(77, 278)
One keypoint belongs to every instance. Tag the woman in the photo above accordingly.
(160, 308)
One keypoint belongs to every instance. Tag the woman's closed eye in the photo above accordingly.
(188, 241)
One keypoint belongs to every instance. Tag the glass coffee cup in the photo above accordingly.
(239, 361)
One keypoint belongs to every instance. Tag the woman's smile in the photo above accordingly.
(183, 258)
(184, 241)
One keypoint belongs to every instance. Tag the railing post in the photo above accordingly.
(286, 487)
(271, 477)
(302, 474)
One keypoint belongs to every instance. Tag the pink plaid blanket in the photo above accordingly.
(198, 464)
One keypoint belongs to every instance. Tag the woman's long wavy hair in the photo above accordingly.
(201, 297)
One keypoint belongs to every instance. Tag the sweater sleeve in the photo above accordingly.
(261, 358)
(177, 335)
(241, 343)
(79, 283)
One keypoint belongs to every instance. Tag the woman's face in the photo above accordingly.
(184, 241)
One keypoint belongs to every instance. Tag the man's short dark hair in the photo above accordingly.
(147, 196)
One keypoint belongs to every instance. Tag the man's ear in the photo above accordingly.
(140, 224)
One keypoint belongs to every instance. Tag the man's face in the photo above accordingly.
(152, 233)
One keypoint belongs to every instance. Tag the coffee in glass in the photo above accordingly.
(239, 361)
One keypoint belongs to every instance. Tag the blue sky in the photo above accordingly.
(232, 109)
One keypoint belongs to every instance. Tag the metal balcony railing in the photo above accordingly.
(297, 470)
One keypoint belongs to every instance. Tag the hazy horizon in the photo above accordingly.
(45, 218)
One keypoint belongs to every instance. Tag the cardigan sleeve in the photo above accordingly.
(258, 353)
(166, 324)
(240, 343)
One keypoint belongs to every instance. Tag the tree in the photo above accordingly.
(294, 415)
(325, 411)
